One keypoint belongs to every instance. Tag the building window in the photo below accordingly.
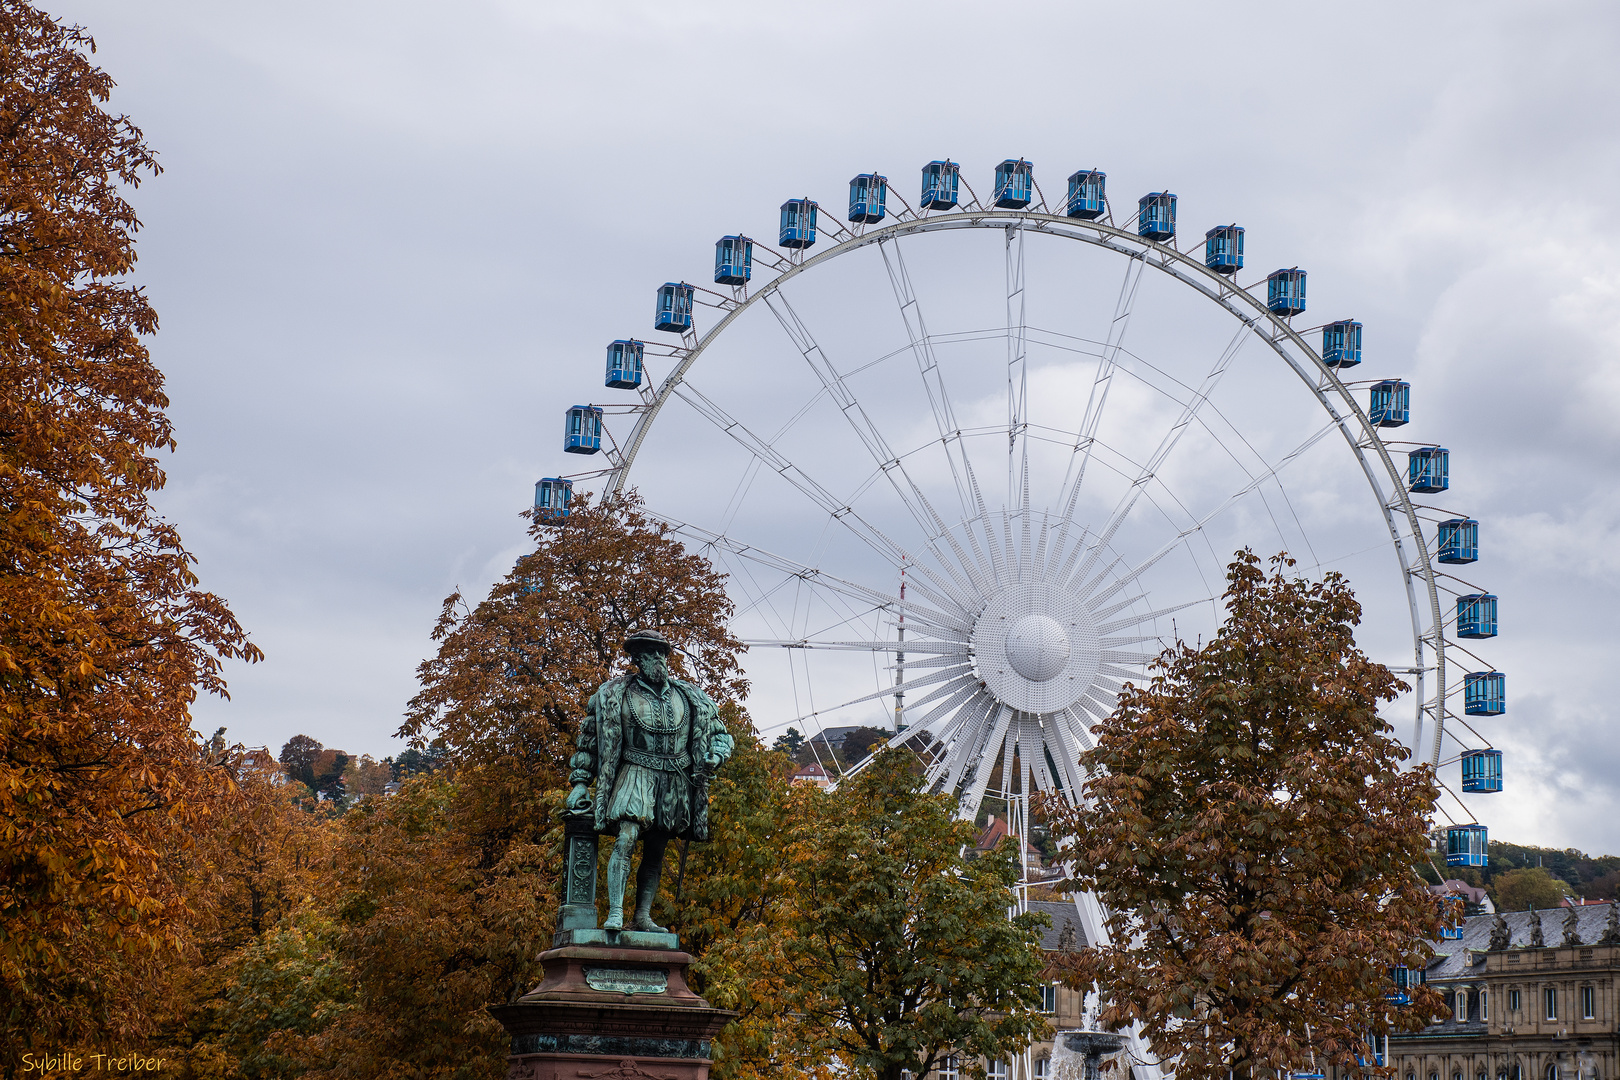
(1588, 1003)
(1513, 1002)
(995, 1070)
(1552, 1070)
(1048, 997)
(1434, 1076)
(1043, 1068)
(1550, 996)
(1480, 1075)
(948, 1070)
(1484, 1004)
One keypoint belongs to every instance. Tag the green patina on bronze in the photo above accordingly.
(650, 743)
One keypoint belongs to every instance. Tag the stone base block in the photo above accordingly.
(611, 1013)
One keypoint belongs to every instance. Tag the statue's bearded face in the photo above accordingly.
(654, 665)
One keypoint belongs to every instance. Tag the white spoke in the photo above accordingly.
(1137, 620)
(1069, 491)
(950, 432)
(1151, 467)
(1017, 391)
(1181, 537)
(910, 495)
(979, 779)
(811, 575)
(921, 646)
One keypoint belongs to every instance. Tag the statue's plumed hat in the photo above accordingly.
(647, 641)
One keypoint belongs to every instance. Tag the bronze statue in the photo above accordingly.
(651, 743)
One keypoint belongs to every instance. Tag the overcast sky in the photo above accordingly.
(391, 240)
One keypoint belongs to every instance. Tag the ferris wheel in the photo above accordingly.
(971, 464)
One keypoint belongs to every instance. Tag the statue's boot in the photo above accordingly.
(617, 874)
(647, 875)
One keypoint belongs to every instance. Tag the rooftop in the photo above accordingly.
(1452, 960)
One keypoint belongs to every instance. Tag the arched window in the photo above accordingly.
(1434, 1076)
(1552, 1070)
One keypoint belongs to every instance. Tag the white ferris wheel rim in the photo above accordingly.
(1343, 411)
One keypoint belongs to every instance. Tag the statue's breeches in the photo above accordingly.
(656, 799)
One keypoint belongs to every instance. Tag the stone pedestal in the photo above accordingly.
(614, 1005)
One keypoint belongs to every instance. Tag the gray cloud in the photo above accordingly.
(392, 240)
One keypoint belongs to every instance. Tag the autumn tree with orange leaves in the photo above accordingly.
(1252, 835)
(105, 637)
(512, 675)
(443, 895)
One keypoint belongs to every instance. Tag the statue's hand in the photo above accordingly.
(720, 748)
(579, 799)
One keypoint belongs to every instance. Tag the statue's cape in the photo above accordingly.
(604, 727)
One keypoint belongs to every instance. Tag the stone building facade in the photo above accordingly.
(1533, 996)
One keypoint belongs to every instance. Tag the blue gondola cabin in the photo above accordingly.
(551, 498)
(1484, 693)
(733, 260)
(1087, 194)
(1285, 291)
(1341, 343)
(1482, 771)
(1452, 908)
(1428, 469)
(1015, 184)
(1467, 845)
(1404, 980)
(1390, 404)
(674, 311)
(1458, 541)
(798, 229)
(1476, 615)
(940, 180)
(1156, 216)
(582, 430)
(868, 193)
(1223, 249)
(624, 368)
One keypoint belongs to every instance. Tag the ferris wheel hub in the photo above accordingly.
(1037, 647)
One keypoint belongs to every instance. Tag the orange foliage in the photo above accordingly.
(104, 637)
(1253, 837)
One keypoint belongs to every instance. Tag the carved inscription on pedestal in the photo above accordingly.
(627, 980)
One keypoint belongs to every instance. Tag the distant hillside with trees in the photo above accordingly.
(1521, 875)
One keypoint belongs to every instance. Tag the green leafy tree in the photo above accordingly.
(1530, 887)
(857, 745)
(896, 951)
(731, 913)
(299, 756)
(789, 742)
(1253, 836)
